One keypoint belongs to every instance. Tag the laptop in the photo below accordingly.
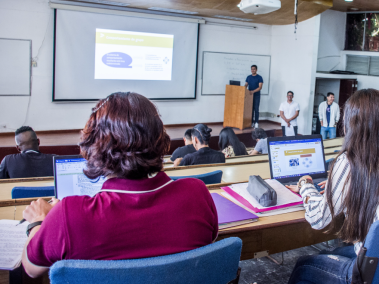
(69, 178)
(236, 83)
(293, 157)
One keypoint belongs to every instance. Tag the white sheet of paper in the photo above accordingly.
(290, 131)
(268, 213)
(284, 195)
(12, 242)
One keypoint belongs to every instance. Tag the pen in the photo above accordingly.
(23, 220)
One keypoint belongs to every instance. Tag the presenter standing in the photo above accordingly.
(255, 83)
(329, 113)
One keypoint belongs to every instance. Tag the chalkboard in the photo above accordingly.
(15, 63)
(219, 68)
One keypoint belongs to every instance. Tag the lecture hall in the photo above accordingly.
(166, 142)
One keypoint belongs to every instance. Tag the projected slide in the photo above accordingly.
(125, 55)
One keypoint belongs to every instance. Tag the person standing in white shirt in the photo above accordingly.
(289, 111)
(329, 114)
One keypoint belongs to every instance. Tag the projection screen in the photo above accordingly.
(99, 54)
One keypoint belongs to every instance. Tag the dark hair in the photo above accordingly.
(256, 67)
(361, 146)
(188, 134)
(229, 138)
(330, 94)
(291, 93)
(258, 133)
(24, 129)
(202, 132)
(124, 136)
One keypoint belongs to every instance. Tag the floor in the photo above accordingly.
(72, 137)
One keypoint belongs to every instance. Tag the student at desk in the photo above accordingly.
(260, 136)
(139, 212)
(201, 134)
(352, 189)
(186, 149)
(229, 143)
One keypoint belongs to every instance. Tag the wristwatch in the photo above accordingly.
(304, 181)
(31, 226)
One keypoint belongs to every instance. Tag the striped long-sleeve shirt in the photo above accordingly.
(317, 210)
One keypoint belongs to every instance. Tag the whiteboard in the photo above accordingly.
(219, 68)
(15, 60)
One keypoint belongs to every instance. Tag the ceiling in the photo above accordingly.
(210, 8)
(284, 16)
(362, 5)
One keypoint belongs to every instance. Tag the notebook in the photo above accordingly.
(12, 242)
(230, 214)
(286, 198)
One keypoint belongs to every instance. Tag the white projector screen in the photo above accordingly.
(99, 54)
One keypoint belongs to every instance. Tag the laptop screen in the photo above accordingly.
(70, 180)
(295, 158)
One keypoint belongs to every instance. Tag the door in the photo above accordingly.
(347, 88)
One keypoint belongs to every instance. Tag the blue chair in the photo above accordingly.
(27, 192)
(328, 163)
(212, 264)
(208, 178)
(371, 244)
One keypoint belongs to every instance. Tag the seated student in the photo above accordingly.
(260, 136)
(139, 212)
(203, 155)
(187, 149)
(30, 162)
(352, 189)
(229, 143)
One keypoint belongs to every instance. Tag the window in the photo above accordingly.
(362, 32)
(363, 65)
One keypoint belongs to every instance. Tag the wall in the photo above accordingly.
(293, 65)
(293, 62)
(332, 40)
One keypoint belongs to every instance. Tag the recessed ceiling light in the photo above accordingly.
(172, 10)
(114, 3)
(348, 0)
(233, 18)
(354, 9)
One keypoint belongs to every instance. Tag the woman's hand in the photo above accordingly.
(293, 188)
(322, 184)
(38, 210)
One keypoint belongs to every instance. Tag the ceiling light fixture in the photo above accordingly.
(349, 0)
(233, 18)
(172, 10)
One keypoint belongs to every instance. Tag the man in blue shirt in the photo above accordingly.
(255, 83)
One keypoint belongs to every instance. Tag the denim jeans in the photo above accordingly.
(335, 267)
(330, 130)
(256, 101)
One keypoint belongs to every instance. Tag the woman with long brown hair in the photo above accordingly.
(352, 189)
(139, 212)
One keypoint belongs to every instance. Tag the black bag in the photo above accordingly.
(261, 191)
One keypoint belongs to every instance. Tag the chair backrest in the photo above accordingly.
(212, 264)
(372, 246)
(26, 192)
(208, 178)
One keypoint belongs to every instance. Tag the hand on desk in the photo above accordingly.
(37, 210)
(177, 162)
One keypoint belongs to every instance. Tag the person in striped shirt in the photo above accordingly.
(352, 190)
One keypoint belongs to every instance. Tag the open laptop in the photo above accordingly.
(69, 178)
(293, 157)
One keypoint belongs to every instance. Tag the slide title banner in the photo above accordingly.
(140, 39)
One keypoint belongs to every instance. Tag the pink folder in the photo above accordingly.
(256, 210)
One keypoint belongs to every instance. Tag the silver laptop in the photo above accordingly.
(293, 157)
(70, 180)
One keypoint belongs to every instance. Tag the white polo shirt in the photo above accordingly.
(289, 110)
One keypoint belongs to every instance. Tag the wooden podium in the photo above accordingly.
(238, 107)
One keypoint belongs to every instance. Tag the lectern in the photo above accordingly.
(238, 107)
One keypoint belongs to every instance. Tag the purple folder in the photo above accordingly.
(229, 212)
